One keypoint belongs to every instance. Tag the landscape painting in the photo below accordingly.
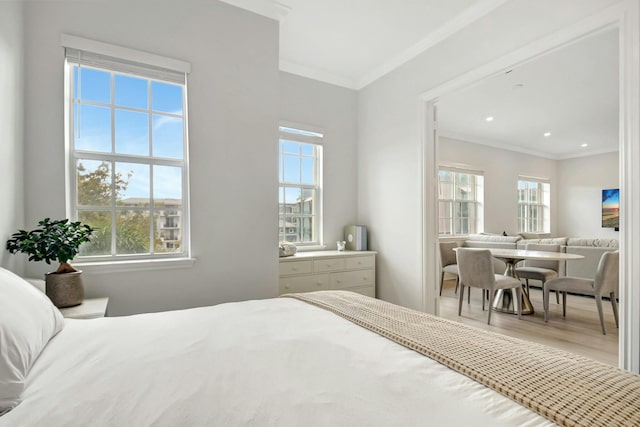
(611, 208)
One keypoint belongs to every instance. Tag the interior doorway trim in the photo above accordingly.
(626, 17)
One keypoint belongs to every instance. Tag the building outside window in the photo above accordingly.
(534, 201)
(460, 202)
(300, 186)
(127, 139)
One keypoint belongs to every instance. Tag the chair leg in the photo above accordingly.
(461, 298)
(519, 296)
(545, 302)
(564, 304)
(599, 305)
(469, 295)
(557, 296)
(441, 282)
(493, 294)
(614, 304)
(457, 284)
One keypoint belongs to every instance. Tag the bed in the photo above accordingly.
(282, 362)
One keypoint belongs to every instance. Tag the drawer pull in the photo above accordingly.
(338, 281)
(294, 269)
(286, 287)
(318, 283)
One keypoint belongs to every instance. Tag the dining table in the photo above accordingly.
(505, 300)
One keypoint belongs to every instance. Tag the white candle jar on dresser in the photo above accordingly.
(329, 270)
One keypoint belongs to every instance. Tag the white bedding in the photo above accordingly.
(277, 362)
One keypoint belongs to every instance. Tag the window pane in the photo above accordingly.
(290, 147)
(308, 201)
(308, 170)
(307, 229)
(168, 228)
(132, 232)
(292, 198)
(131, 91)
(168, 137)
(136, 191)
(307, 149)
(95, 85)
(167, 183)
(93, 128)
(93, 183)
(132, 132)
(100, 243)
(166, 97)
(291, 169)
(290, 229)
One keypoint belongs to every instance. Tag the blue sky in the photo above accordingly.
(132, 129)
(610, 198)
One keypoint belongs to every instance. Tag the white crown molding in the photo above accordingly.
(316, 74)
(461, 21)
(268, 8)
(510, 147)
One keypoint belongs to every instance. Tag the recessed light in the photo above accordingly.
(489, 119)
(547, 134)
(584, 145)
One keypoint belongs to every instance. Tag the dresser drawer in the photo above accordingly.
(360, 262)
(330, 264)
(295, 267)
(309, 283)
(350, 279)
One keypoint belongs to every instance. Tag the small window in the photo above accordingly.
(300, 189)
(127, 139)
(460, 202)
(534, 200)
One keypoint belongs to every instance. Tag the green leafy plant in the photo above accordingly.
(57, 240)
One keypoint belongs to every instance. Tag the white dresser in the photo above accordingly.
(323, 270)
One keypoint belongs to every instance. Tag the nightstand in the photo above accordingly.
(91, 308)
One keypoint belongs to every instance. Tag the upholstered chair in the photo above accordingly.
(606, 282)
(448, 262)
(539, 269)
(475, 269)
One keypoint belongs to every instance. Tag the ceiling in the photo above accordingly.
(351, 43)
(571, 92)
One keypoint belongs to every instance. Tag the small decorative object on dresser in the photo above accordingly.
(57, 240)
(324, 270)
(356, 237)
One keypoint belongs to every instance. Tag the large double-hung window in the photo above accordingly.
(300, 189)
(127, 143)
(460, 201)
(534, 205)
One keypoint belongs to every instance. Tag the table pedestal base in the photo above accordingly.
(505, 302)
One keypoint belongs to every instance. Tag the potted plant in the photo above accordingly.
(57, 240)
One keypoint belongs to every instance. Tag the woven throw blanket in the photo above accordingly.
(566, 388)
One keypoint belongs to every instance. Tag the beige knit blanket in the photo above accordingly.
(566, 388)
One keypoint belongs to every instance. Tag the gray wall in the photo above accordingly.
(333, 109)
(580, 184)
(11, 127)
(389, 133)
(233, 89)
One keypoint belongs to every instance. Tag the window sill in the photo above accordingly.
(106, 267)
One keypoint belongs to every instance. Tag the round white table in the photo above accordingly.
(505, 301)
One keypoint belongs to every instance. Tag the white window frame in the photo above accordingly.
(476, 224)
(125, 61)
(306, 135)
(543, 206)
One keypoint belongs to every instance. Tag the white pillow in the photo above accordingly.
(28, 320)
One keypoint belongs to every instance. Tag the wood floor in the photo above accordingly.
(579, 332)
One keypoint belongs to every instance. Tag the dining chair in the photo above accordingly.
(606, 282)
(539, 269)
(448, 263)
(475, 269)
